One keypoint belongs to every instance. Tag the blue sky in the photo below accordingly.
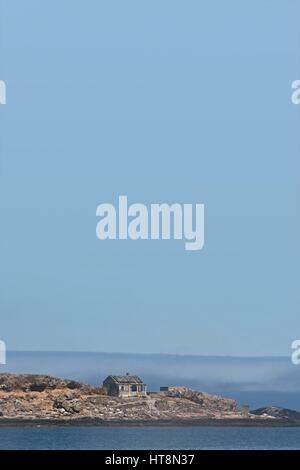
(165, 102)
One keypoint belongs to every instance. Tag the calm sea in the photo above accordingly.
(149, 438)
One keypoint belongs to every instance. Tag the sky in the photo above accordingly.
(172, 101)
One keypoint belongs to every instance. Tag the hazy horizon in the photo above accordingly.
(145, 353)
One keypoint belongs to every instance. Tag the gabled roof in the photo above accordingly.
(125, 379)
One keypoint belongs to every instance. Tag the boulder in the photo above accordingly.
(37, 386)
(278, 412)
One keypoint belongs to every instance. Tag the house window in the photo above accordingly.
(133, 388)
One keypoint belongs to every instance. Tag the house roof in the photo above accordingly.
(126, 379)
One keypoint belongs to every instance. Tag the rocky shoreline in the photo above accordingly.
(39, 400)
(94, 422)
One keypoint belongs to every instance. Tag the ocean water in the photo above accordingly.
(149, 438)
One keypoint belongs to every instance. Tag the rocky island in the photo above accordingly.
(30, 400)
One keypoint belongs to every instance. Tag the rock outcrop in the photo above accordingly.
(36, 398)
(279, 413)
(41, 383)
(212, 403)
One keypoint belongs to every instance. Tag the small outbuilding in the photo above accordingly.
(125, 386)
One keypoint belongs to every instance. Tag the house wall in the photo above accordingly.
(111, 387)
(123, 390)
(127, 391)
